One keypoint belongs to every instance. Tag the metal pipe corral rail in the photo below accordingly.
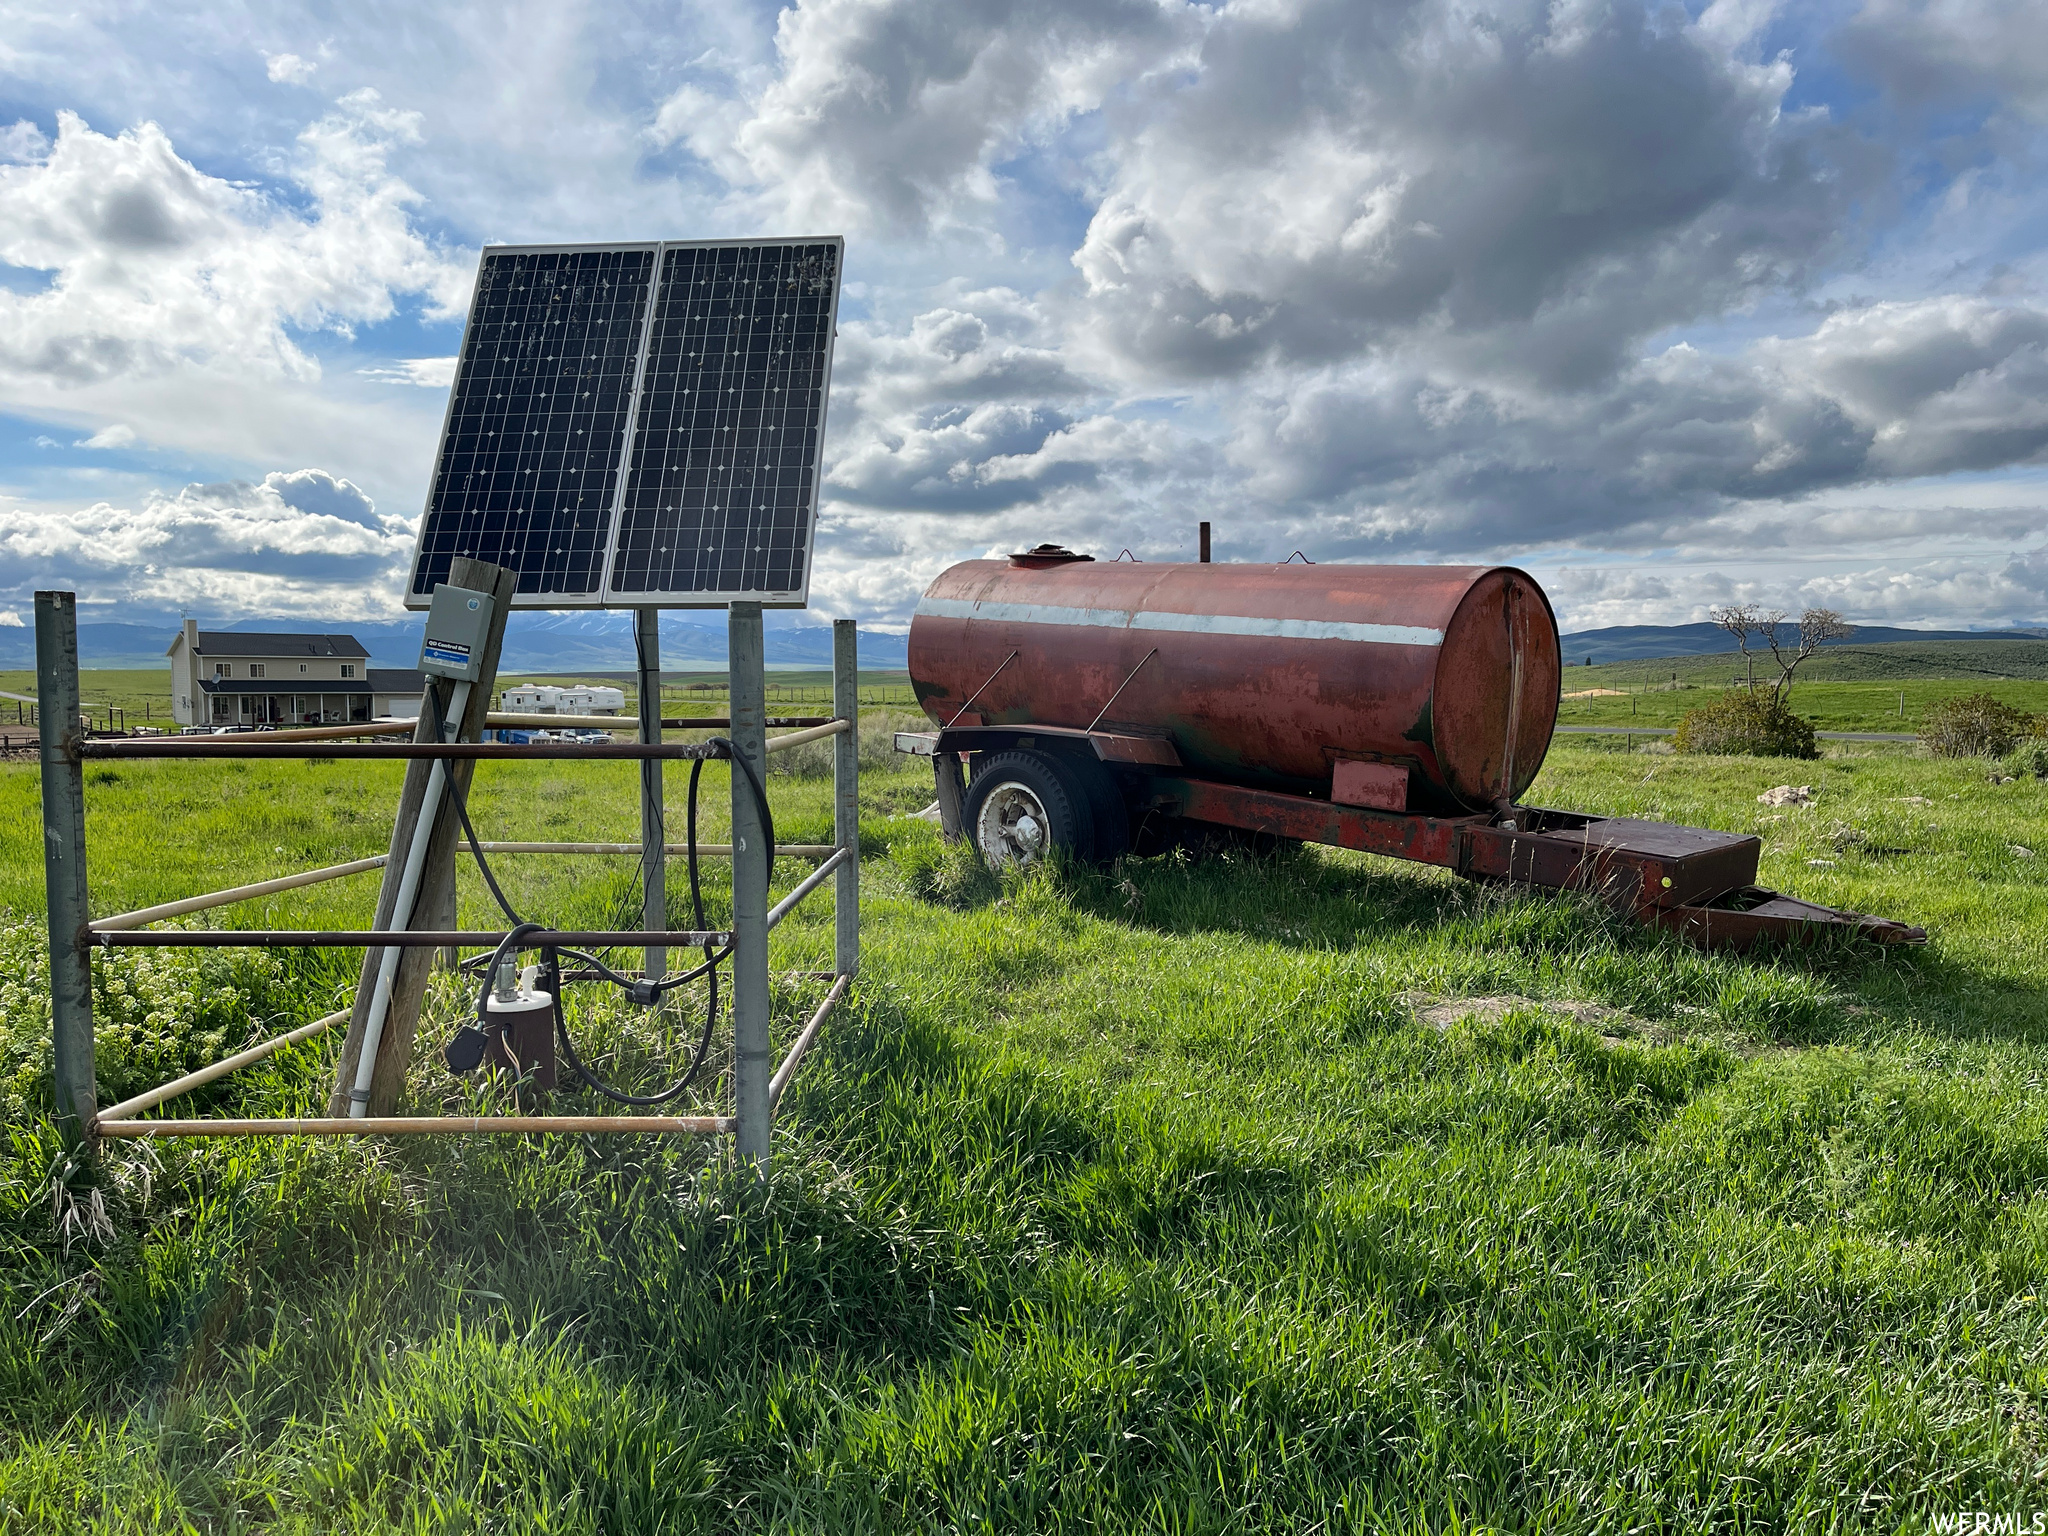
(66, 746)
(398, 938)
(219, 1069)
(429, 1125)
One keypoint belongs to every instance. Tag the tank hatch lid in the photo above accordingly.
(1044, 555)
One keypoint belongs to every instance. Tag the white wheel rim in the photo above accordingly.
(1012, 827)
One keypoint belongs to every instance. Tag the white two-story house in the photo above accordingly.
(242, 677)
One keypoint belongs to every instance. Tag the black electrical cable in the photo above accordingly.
(646, 992)
(760, 797)
(711, 957)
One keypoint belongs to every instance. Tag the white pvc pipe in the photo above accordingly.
(401, 913)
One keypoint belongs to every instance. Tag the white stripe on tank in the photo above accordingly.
(1179, 623)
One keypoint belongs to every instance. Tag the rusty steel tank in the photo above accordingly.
(1265, 675)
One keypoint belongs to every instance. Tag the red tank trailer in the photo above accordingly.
(1401, 710)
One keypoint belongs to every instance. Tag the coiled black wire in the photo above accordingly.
(521, 927)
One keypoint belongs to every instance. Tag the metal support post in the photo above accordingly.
(64, 862)
(846, 796)
(752, 1068)
(653, 836)
(952, 798)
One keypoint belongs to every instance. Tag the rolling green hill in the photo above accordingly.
(1904, 661)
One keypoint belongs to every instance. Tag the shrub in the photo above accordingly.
(2029, 759)
(1975, 725)
(1745, 724)
(157, 1013)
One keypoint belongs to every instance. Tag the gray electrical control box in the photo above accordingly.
(456, 626)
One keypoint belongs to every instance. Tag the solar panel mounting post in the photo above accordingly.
(846, 795)
(653, 832)
(753, 1069)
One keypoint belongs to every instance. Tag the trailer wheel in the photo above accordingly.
(1021, 806)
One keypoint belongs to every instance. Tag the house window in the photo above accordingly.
(255, 669)
(348, 669)
(302, 669)
(222, 669)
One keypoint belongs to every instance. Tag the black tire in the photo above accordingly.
(1008, 787)
(1106, 808)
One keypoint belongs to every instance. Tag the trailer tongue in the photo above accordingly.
(1392, 710)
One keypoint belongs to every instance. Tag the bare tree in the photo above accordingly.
(1817, 626)
(1743, 620)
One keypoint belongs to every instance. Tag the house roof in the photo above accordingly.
(255, 642)
(397, 680)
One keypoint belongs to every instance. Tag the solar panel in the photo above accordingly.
(638, 425)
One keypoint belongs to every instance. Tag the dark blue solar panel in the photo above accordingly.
(700, 487)
(529, 466)
(722, 490)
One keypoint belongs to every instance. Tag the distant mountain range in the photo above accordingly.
(1643, 642)
(534, 642)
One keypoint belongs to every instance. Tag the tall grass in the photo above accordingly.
(1281, 1193)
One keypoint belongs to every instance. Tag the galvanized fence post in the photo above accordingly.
(752, 1068)
(846, 795)
(64, 862)
(653, 825)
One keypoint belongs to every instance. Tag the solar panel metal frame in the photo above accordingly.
(606, 596)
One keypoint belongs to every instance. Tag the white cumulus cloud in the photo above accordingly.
(158, 268)
(895, 117)
(288, 68)
(302, 542)
(425, 372)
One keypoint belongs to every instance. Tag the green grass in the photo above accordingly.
(1314, 1192)
(1832, 706)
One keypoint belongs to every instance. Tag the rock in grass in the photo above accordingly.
(1787, 794)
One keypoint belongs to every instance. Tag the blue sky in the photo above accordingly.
(1674, 307)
